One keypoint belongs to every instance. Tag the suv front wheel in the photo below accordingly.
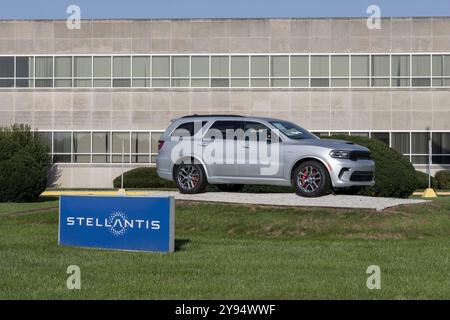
(190, 178)
(311, 179)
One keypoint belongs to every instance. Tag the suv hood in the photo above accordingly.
(331, 144)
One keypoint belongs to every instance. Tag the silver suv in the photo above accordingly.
(230, 151)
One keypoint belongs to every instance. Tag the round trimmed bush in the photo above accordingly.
(145, 177)
(22, 177)
(24, 164)
(422, 180)
(395, 176)
(443, 178)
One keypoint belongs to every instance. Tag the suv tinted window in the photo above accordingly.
(252, 128)
(223, 126)
(188, 129)
(262, 131)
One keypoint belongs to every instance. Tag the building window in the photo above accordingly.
(140, 147)
(63, 72)
(220, 71)
(46, 139)
(339, 71)
(122, 72)
(44, 72)
(82, 67)
(360, 71)
(199, 71)
(300, 71)
(419, 147)
(320, 71)
(400, 142)
(441, 70)
(100, 147)
(102, 71)
(161, 71)
(380, 71)
(81, 147)
(239, 71)
(382, 136)
(259, 70)
(141, 71)
(421, 70)
(441, 147)
(441, 143)
(154, 145)
(120, 143)
(279, 71)
(6, 72)
(24, 72)
(321, 134)
(62, 143)
(359, 134)
(400, 71)
(340, 133)
(180, 71)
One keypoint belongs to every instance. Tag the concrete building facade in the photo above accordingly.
(85, 91)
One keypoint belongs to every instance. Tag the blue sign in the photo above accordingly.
(125, 223)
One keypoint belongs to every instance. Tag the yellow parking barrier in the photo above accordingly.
(57, 193)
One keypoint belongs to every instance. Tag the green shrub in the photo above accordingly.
(422, 180)
(8, 148)
(23, 135)
(395, 176)
(22, 178)
(24, 164)
(443, 178)
(145, 177)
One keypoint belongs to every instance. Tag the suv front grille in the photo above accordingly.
(360, 155)
(361, 176)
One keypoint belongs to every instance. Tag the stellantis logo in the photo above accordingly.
(117, 223)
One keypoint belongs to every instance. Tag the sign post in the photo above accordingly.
(429, 192)
(122, 191)
(123, 223)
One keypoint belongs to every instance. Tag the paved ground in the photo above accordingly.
(275, 199)
(288, 199)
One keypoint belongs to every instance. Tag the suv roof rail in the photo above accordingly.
(211, 115)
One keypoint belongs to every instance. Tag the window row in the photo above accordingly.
(358, 70)
(413, 145)
(142, 147)
(101, 147)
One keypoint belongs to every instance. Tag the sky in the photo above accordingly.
(145, 9)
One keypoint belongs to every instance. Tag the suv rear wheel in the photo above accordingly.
(311, 179)
(190, 178)
(230, 187)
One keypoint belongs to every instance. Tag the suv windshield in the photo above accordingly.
(292, 130)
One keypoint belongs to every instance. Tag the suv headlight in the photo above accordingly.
(341, 154)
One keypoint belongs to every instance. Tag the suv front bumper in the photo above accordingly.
(347, 173)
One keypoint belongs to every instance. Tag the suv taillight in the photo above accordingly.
(160, 144)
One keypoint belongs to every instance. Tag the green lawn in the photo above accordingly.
(8, 207)
(240, 252)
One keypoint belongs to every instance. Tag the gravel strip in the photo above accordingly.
(291, 199)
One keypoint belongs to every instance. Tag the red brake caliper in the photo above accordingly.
(304, 177)
(194, 181)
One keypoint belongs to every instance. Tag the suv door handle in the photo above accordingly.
(247, 146)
